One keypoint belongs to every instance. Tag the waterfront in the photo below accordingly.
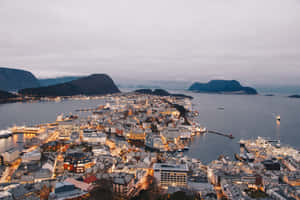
(243, 116)
(99, 144)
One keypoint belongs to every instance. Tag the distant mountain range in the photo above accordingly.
(160, 92)
(96, 84)
(54, 81)
(222, 86)
(16, 79)
(149, 84)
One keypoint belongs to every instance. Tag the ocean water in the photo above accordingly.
(243, 116)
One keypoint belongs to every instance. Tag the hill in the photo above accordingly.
(96, 84)
(16, 79)
(54, 81)
(160, 92)
(222, 86)
(296, 96)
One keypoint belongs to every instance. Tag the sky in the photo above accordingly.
(254, 41)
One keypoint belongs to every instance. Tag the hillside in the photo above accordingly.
(160, 92)
(97, 84)
(222, 86)
(54, 81)
(15, 79)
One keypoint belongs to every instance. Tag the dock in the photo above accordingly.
(222, 134)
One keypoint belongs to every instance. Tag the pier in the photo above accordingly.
(222, 134)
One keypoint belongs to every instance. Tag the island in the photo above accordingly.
(16, 79)
(161, 92)
(295, 96)
(222, 87)
(96, 84)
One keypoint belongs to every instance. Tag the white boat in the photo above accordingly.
(5, 133)
(278, 118)
(186, 148)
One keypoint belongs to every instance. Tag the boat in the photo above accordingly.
(186, 148)
(67, 118)
(221, 108)
(278, 118)
(5, 133)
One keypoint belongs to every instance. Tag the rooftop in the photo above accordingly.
(170, 167)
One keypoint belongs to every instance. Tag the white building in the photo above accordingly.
(34, 155)
(171, 174)
(4, 195)
(99, 138)
(10, 155)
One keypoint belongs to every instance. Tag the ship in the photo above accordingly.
(278, 118)
(221, 108)
(5, 133)
(67, 118)
(186, 148)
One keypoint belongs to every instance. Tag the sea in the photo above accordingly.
(243, 116)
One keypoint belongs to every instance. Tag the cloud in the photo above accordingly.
(253, 40)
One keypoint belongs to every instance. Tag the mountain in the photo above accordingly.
(160, 92)
(149, 84)
(54, 81)
(96, 84)
(222, 86)
(16, 79)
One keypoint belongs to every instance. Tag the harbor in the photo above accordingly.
(122, 137)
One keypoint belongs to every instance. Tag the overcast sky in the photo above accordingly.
(255, 41)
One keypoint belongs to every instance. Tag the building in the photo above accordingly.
(154, 142)
(136, 134)
(4, 195)
(171, 174)
(77, 162)
(123, 184)
(170, 134)
(34, 155)
(271, 165)
(66, 190)
(94, 137)
(10, 155)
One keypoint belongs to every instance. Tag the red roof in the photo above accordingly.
(90, 179)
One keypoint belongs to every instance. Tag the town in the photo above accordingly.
(134, 146)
